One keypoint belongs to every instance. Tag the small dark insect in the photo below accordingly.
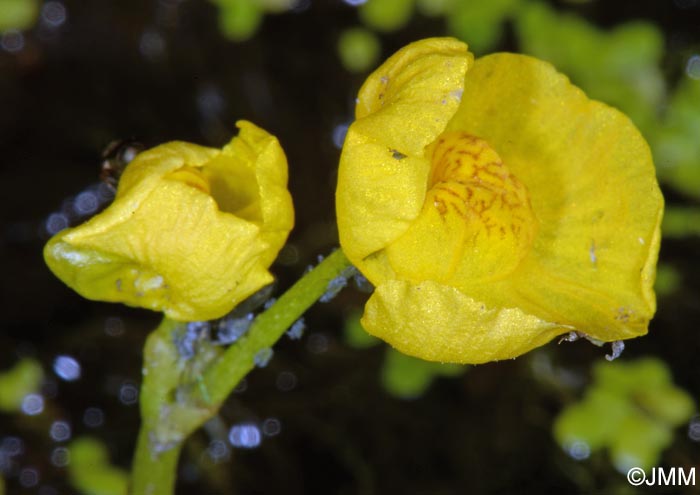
(115, 157)
(397, 155)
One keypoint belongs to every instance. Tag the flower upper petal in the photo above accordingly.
(401, 108)
(592, 188)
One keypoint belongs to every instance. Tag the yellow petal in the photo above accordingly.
(476, 224)
(439, 323)
(401, 108)
(180, 237)
(592, 187)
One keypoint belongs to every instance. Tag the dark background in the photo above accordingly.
(71, 91)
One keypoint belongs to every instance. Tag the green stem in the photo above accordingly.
(223, 376)
(173, 406)
(153, 474)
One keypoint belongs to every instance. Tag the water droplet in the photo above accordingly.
(271, 427)
(579, 450)
(114, 326)
(152, 44)
(60, 431)
(186, 337)
(53, 14)
(128, 394)
(85, 203)
(29, 477)
(262, 358)
(692, 68)
(60, 457)
(93, 417)
(617, 347)
(694, 429)
(317, 343)
(338, 283)
(297, 329)
(210, 101)
(232, 329)
(333, 288)
(56, 223)
(218, 451)
(286, 381)
(11, 446)
(12, 41)
(339, 133)
(362, 284)
(245, 436)
(33, 404)
(241, 387)
(67, 368)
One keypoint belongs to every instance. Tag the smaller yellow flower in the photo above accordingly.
(191, 232)
(495, 207)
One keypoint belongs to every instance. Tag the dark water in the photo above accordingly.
(74, 89)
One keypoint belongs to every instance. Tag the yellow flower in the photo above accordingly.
(495, 207)
(191, 232)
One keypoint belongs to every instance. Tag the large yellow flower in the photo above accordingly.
(494, 206)
(191, 232)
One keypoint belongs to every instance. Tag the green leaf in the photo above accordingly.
(90, 472)
(18, 14)
(408, 377)
(356, 336)
(15, 384)
(676, 146)
(619, 67)
(386, 15)
(239, 19)
(359, 49)
(479, 22)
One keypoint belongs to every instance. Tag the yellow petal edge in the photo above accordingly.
(191, 232)
(528, 212)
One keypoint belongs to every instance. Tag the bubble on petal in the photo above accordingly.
(67, 368)
(246, 435)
